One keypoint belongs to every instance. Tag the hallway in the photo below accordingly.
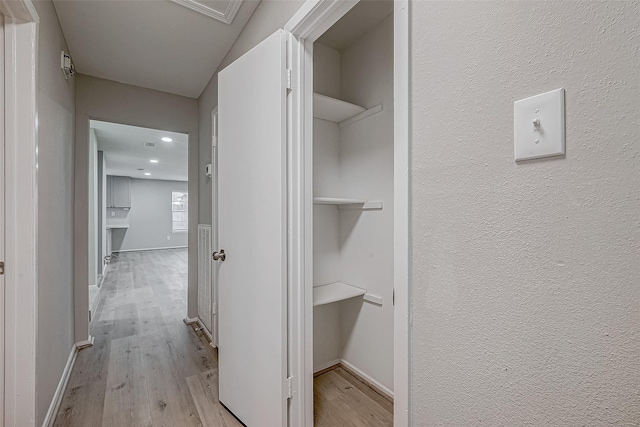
(146, 367)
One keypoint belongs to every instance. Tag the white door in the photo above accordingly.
(214, 225)
(252, 232)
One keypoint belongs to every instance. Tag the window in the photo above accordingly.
(179, 211)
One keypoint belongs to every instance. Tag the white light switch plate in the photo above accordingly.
(538, 126)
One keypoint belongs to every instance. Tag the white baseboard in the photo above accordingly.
(205, 330)
(326, 365)
(50, 418)
(150, 249)
(190, 320)
(85, 344)
(375, 383)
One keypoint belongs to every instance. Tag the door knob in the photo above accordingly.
(219, 255)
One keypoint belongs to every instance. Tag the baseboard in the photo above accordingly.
(205, 331)
(190, 320)
(374, 384)
(150, 249)
(81, 345)
(326, 366)
(50, 418)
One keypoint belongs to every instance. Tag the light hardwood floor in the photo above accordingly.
(340, 399)
(147, 368)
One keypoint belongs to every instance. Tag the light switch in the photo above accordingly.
(538, 126)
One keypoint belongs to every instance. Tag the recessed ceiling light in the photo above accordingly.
(166, 139)
(153, 161)
(147, 173)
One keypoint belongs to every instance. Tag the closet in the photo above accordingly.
(305, 220)
(353, 156)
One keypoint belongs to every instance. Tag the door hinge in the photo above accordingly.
(290, 390)
(289, 83)
(1, 268)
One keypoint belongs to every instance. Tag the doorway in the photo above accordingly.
(285, 123)
(138, 208)
(353, 206)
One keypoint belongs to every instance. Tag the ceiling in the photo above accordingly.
(363, 17)
(172, 46)
(125, 151)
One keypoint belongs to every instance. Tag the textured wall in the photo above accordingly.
(56, 104)
(366, 171)
(526, 277)
(268, 17)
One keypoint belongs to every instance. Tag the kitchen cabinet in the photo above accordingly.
(118, 191)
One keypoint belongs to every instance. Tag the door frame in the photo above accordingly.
(21, 207)
(311, 21)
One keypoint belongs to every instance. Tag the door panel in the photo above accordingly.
(252, 226)
(214, 225)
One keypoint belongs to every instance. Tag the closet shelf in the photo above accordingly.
(346, 203)
(341, 112)
(338, 291)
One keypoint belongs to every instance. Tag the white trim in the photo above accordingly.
(381, 388)
(402, 214)
(327, 365)
(311, 20)
(85, 344)
(56, 401)
(190, 320)
(299, 242)
(149, 249)
(21, 207)
(227, 16)
(316, 16)
(205, 331)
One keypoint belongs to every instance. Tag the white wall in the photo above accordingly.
(149, 218)
(56, 105)
(366, 238)
(269, 16)
(526, 296)
(327, 267)
(353, 246)
(106, 100)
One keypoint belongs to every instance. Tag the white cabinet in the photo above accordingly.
(118, 191)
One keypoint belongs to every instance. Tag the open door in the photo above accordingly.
(252, 308)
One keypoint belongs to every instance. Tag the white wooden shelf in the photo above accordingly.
(116, 225)
(333, 292)
(346, 203)
(342, 112)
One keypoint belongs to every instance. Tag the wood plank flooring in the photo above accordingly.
(147, 368)
(340, 399)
